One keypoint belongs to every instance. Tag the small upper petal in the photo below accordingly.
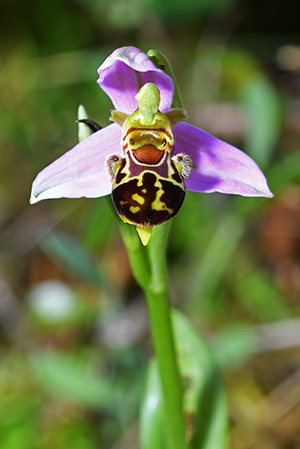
(81, 172)
(125, 71)
(218, 166)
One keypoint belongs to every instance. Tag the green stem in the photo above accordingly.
(136, 254)
(161, 329)
(149, 266)
(158, 302)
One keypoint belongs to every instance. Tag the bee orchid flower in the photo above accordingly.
(149, 155)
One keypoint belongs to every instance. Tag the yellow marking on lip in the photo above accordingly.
(158, 204)
(139, 199)
(140, 180)
(134, 209)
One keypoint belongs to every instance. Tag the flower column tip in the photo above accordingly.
(148, 98)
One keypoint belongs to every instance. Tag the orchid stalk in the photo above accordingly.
(146, 160)
(150, 270)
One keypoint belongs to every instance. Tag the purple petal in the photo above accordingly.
(81, 171)
(125, 71)
(219, 167)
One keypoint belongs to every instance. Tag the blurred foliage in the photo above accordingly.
(74, 339)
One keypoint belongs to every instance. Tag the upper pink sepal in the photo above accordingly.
(125, 71)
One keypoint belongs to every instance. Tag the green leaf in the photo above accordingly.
(262, 297)
(204, 396)
(151, 417)
(214, 261)
(286, 171)
(179, 12)
(235, 345)
(98, 225)
(205, 403)
(69, 254)
(69, 376)
(19, 436)
(263, 117)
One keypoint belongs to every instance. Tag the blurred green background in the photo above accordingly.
(74, 337)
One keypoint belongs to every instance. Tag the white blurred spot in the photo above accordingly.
(53, 301)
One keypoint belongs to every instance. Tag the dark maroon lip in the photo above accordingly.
(148, 154)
